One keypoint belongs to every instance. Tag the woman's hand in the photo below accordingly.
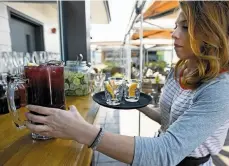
(61, 124)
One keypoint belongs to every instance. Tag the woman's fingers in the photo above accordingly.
(38, 128)
(41, 110)
(74, 110)
(36, 118)
(46, 133)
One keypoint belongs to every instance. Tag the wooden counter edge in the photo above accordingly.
(87, 154)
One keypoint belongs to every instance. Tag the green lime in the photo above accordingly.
(86, 79)
(72, 93)
(80, 75)
(66, 93)
(79, 92)
(73, 87)
(66, 86)
(84, 87)
(76, 81)
(66, 75)
(71, 77)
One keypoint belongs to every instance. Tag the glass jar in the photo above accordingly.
(76, 78)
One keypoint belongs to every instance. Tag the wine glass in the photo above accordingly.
(43, 56)
(9, 62)
(35, 58)
(15, 62)
(20, 60)
(27, 59)
(96, 82)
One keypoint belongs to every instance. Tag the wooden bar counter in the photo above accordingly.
(17, 148)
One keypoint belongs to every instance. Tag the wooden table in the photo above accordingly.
(17, 148)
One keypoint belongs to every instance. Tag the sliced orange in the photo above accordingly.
(132, 89)
(113, 85)
(110, 90)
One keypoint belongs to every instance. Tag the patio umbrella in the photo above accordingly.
(160, 9)
(154, 34)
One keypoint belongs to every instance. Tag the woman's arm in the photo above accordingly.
(117, 146)
(208, 112)
(152, 112)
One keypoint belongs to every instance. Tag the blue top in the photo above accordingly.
(194, 123)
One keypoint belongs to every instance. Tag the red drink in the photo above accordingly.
(57, 83)
(46, 86)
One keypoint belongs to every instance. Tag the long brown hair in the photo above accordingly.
(208, 28)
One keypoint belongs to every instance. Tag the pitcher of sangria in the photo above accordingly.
(41, 85)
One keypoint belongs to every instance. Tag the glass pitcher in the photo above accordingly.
(43, 85)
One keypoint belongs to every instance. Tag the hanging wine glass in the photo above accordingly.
(20, 59)
(15, 61)
(27, 59)
(4, 62)
(43, 57)
(35, 58)
(50, 56)
(9, 62)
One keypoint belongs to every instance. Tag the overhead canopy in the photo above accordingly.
(160, 8)
(116, 44)
(154, 34)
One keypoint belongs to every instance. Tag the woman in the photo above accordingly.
(194, 106)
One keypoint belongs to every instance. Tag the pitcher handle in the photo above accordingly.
(14, 111)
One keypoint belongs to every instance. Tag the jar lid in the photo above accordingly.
(70, 63)
(83, 63)
(83, 66)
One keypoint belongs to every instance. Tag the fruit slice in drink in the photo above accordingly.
(110, 90)
(132, 89)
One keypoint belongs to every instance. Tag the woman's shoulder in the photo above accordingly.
(220, 81)
(218, 85)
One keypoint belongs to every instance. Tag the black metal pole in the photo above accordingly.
(61, 28)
